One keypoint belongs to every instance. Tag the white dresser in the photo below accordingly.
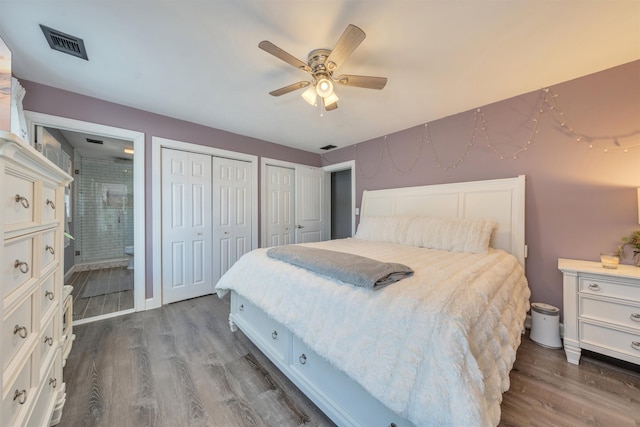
(601, 310)
(31, 310)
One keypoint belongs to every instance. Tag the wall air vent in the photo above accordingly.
(64, 43)
(95, 141)
(328, 147)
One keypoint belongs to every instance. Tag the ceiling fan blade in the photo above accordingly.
(281, 54)
(330, 106)
(290, 88)
(366, 82)
(349, 41)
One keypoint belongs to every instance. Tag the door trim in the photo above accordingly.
(139, 232)
(157, 143)
(339, 167)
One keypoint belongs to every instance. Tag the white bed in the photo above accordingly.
(432, 349)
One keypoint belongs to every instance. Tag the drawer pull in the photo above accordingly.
(50, 203)
(49, 295)
(50, 249)
(635, 345)
(23, 201)
(393, 425)
(53, 382)
(594, 287)
(48, 340)
(22, 265)
(635, 317)
(274, 335)
(20, 330)
(302, 359)
(21, 396)
(241, 308)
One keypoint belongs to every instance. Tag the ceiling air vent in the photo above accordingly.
(328, 147)
(64, 43)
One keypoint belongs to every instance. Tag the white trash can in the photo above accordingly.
(545, 325)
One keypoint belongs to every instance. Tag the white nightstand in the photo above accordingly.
(601, 310)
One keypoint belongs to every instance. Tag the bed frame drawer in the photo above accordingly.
(270, 333)
(316, 372)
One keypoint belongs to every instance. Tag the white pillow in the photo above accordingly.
(387, 229)
(450, 234)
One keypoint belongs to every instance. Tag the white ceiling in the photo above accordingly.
(199, 61)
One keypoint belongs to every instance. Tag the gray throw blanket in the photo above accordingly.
(349, 268)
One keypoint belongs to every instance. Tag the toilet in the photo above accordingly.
(129, 251)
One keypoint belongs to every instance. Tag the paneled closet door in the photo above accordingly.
(231, 213)
(280, 226)
(186, 225)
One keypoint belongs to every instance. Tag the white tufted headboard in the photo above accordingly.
(500, 200)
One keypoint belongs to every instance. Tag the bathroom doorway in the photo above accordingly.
(101, 263)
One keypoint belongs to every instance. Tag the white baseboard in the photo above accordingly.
(151, 303)
(69, 273)
(102, 317)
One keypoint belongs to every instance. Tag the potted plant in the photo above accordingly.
(632, 240)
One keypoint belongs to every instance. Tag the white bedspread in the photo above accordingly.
(438, 346)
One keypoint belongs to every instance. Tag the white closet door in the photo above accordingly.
(186, 225)
(231, 212)
(280, 226)
(313, 204)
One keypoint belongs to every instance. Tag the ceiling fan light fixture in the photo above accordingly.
(331, 99)
(310, 95)
(324, 87)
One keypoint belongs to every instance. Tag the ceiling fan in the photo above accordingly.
(321, 64)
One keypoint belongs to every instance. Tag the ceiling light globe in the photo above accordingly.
(324, 87)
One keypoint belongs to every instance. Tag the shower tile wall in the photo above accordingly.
(104, 209)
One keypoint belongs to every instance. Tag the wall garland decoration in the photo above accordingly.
(547, 104)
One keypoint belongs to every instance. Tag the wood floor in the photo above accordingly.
(84, 308)
(179, 365)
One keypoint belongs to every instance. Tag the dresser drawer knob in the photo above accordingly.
(48, 340)
(53, 382)
(20, 330)
(21, 396)
(635, 345)
(50, 203)
(635, 317)
(23, 201)
(22, 265)
(594, 287)
(49, 295)
(241, 308)
(274, 335)
(50, 249)
(302, 359)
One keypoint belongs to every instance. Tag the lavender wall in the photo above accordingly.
(580, 201)
(49, 100)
